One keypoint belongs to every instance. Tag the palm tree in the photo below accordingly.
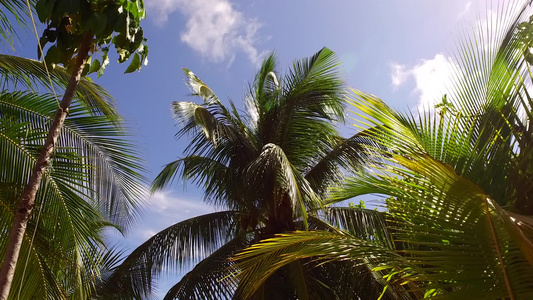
(267, 170)
(94, 182)
(74, 38)
(460, 182)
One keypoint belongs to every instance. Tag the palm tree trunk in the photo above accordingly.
(27, 200)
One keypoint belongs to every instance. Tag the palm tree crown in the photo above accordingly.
(267, 169)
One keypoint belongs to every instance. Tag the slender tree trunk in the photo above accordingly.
(27, 200)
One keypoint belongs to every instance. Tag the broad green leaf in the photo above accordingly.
(135, 64)
(95, 67)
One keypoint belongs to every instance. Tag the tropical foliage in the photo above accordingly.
(457, 179)
(267, 170)
(16, 10)
(459, 182)
(93, 182)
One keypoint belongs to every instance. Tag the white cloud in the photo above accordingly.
(214, 28)
(162, 210)
(165, 203)
(432, 77)
(159, 10)
(399, 74)
(147, 233)
(465, 11)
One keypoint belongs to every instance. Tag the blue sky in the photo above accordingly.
(400, 51)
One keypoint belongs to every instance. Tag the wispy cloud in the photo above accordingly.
(166, 203)
(147, 233)
(465, 10)
(432, 77)
(162, 210)
(399, 74)
(214, 28)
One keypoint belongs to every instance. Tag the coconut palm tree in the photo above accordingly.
(94, 182)
(459, 182)
(108, 180)
(267, 171)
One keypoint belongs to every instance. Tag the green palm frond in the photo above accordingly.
(266, 87)
(211, 121)
(451, 173)
(273, 171)
(262, 260)
(13, 10)
(314, 83)
(60, 259)
(213, 127)
(208, 279)
(312, 101)
(345, 155)
(445, 212)
(93, 179)
(366, 224)
(450, 226)
(181, 244)
(108, 287)
(201, 170)
(487, 156)
(114, 173)
(340, 275)
(28, 74)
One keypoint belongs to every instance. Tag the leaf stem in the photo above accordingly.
(498, 251)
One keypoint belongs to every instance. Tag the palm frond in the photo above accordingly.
(107, 287)
(266, 86)
(366, 224)
(261, 260)
(28, 74)
(451, 177)
(272, 171)
(113, 180)
(345, 155)
(271, 164)
(217, 180)
(450, 173)
(443, 213)
(313, 100)
(199, 88)
(13, 10)
(208, 279)
(93, 171)
(182, 244)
